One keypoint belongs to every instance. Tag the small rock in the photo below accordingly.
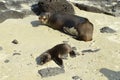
(83, 54)
(107, 30)
(50, 71)
(31, 55)
(16, 54)
(76, 78)
(6, 61)
(15, 41)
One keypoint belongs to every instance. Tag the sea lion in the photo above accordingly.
(57, 53)
(81, 27)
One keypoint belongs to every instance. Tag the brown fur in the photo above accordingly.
(57, 53)
(81, 27)
(85, 31)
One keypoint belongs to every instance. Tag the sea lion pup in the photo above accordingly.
(57, 53)
(75, 25)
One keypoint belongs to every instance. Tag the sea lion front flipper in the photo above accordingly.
(64, 56)
(59, 62)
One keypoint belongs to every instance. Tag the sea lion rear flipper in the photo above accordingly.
(72, 54)
(59, 62)
(71, 31)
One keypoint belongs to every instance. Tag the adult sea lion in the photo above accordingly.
(74, 25)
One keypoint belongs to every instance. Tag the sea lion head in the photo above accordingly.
(44, 58)
(43, 17)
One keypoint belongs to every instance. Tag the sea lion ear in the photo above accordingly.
(59, 62)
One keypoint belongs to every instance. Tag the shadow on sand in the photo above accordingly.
(35, 23)
(111, 75)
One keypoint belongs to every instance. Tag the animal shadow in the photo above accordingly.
(35, 23)
(111, 75)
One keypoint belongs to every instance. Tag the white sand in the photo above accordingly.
(35, 40)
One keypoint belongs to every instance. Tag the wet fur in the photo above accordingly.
(57, 53)
(78, 26)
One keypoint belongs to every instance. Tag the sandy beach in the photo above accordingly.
(33, 39)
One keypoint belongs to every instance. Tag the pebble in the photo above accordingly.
(76, 78)
(15, 41)
(6, 61)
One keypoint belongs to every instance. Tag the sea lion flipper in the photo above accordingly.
(72, 54)
(71, 31)
(59, 62)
